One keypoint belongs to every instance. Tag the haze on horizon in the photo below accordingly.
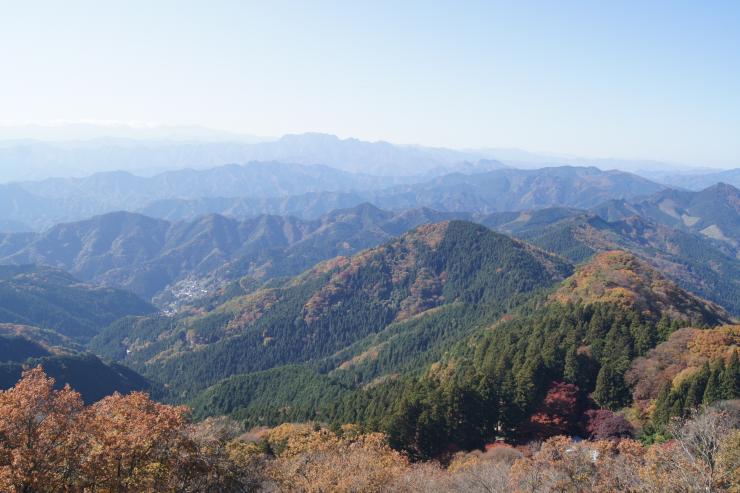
(627, 80)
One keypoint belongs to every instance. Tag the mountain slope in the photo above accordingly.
(86, 373)
(497, 372)
(52, 299)
(338, 303)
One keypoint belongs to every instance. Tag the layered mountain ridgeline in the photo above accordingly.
(116, 190)
(533, 372)
(177, 262)
(38, 205)
(26, 159)
(483, 192)
(513, 190)
(276, 188)
(696, 181)
(53, 300)
(420, 292)
(699, 264)
(147, 255)
(713, 212)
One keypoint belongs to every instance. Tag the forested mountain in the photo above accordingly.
(573, 347)
(434, 274)
(713, 212)
(52, 299)
(175, 262)
(147, 255)
(47, 316)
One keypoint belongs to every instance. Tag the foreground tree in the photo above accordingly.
(41, 443)
(50, 442)
(135, 443)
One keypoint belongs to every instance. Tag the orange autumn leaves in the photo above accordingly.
(52, 442)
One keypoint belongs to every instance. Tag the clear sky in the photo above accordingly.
(643, 79)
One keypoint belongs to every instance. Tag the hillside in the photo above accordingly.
(336, 304)
(536, 374)
(585, 335)
(677, 360)
(52, 299)
(622, 279)
(90, 376)
(713, 212)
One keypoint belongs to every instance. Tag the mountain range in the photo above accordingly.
(492, 191)
(38, 152)
(177, 261)
(23, 159)
(305, 191)
(447, 309)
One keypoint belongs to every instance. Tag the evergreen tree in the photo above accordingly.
(695, 395)
(730, 381)
(571, 368)
(713, 391)
(664, 327)
(662, 412)
(645, 337)
(611, 391)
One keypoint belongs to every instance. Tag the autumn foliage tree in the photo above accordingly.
(49, 441)
(607, 425)
(558, 413)
(40, 435)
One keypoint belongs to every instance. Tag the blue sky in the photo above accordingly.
(654, 80)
